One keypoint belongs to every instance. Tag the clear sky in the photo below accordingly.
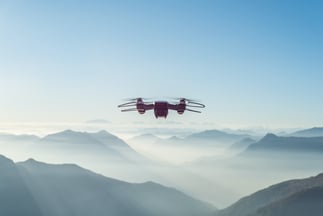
(253, 63)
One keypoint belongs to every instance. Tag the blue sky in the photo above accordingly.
(253, 63)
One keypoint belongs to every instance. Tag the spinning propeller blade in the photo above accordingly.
(185, 99)
(129, 110)
(128, 104)
(195, 104)
(193, 110)
(136, 99)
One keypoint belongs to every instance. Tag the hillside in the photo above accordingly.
(15, 196)
(67, 189)
(303, 203)
(268, 200)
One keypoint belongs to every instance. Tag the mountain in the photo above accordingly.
(241, 144)
(312, 132)
(67, 189)
(271, 142)
(217, 136)
(17, 147)
(207, 138)
(101, 138)
(15, 196)
(303, 203)
(144, 139)
(72, 137)
(281, 199)
(108, 139)
(101, 143)
(4, 138)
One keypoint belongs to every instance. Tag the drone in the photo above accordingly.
(161, 107)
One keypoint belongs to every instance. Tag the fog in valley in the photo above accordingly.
(213, 166)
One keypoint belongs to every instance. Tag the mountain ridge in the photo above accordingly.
(310, 132)
(77, 191)
(272, 142)
(262, 199)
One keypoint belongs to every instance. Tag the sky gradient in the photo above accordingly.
(253, 63)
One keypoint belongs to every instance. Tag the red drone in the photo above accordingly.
(161, 107)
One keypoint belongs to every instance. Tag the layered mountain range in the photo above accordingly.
(41, 189)
(105, 153)
(70, 143)
(271, 142)
(45, 189)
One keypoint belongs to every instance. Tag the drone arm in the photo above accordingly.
(149, 106)
(172, 106)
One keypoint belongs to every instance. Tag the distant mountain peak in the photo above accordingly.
(66, 134)
(73, 132)
(320, 128)
(209, 134)
(30, 160)
(68, 131)
(174, 138)
(147, 135)
(292, 144)
(103, 132)
(213, 131)
(270, 136)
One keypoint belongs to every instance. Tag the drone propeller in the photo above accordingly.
(136, 99)
(195, 104)
(131, 99)
(185, 99)
(193, 110)
(129, 104)
(128, 110)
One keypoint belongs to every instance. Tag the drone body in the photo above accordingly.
(161, 107)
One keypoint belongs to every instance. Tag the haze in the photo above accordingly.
(66, 149)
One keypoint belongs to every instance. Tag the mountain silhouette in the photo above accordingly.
(67, 189)
(303, 203)
(271, 142)
(217, 136)
(4, 137)
(108, 139)
(241, 145)
(15, 196)
(100, 143)
(207, 138)
(312, 132)
(72, 137)
(144, 139)
(281, 199)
